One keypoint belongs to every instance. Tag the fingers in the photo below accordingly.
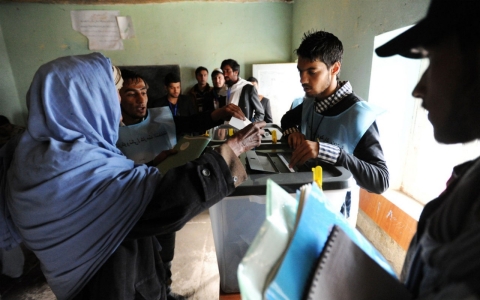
(305, 151)
(295, 139)
(234, 111)
(260, 125)
(247, 138)
(292, 141)
(252, 134)
(171, 151)
(163, 155)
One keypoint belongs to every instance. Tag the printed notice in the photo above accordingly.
(125, 25)
(100, 27)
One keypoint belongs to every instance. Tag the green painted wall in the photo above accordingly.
(355, 23)
(188, 34)
(197, 33)
(9, 104)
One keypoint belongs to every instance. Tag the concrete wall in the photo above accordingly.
(9, 103)
(189, 34)
(355, 23)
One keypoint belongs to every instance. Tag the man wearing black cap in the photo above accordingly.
(443, 259)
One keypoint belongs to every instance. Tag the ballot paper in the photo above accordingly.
(189, 148)
(239, 124)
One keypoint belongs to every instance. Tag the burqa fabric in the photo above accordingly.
(71, 193)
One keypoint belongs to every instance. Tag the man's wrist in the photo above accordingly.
(291, 130)
(328, 152)
(236, 147)
(216, 115)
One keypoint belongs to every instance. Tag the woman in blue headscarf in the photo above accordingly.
(86, 211)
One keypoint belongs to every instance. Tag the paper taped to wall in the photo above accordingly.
(125, 25)
(100, 27)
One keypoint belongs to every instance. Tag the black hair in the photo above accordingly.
(321, 46)
(200, 69)
(232, 63)
(171, 78)
(129, 75)
(252, 79)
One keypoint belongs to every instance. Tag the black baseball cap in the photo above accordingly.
(442, 17)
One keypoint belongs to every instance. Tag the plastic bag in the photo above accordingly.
(269, 244)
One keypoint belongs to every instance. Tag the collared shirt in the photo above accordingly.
(344, 90)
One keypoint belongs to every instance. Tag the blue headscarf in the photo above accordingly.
(71, 193)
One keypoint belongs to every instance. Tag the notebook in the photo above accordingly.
(345, 272)
(189, 148)
(315, 219)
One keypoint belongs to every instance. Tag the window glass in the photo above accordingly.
(418, 165)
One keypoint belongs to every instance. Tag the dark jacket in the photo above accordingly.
(250, 104)
(135, 270)
(267, 109)
(198, 97)
(443, 255)
(208, 101)
(184, 105)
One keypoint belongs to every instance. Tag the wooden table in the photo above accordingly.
(224, 296)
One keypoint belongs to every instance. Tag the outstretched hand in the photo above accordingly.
(163, 155)
(226, 112)
(247, 138)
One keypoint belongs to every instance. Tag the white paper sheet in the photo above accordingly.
(125, 25)
(239, 124)
(100, 27)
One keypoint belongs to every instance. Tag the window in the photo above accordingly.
(418, 165)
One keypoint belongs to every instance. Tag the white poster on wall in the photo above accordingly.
(281, 84)
(125, 25)
(100, 27)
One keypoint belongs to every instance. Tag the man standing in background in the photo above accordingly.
(241, 92)
(180, 105)
(217, 96)
(201, 89)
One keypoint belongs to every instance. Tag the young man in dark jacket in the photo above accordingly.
(333, 124)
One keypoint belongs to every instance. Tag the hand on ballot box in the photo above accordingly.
(304, 151)
(247, 138)
(295, 139)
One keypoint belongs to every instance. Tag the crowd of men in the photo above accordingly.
(228, 87)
